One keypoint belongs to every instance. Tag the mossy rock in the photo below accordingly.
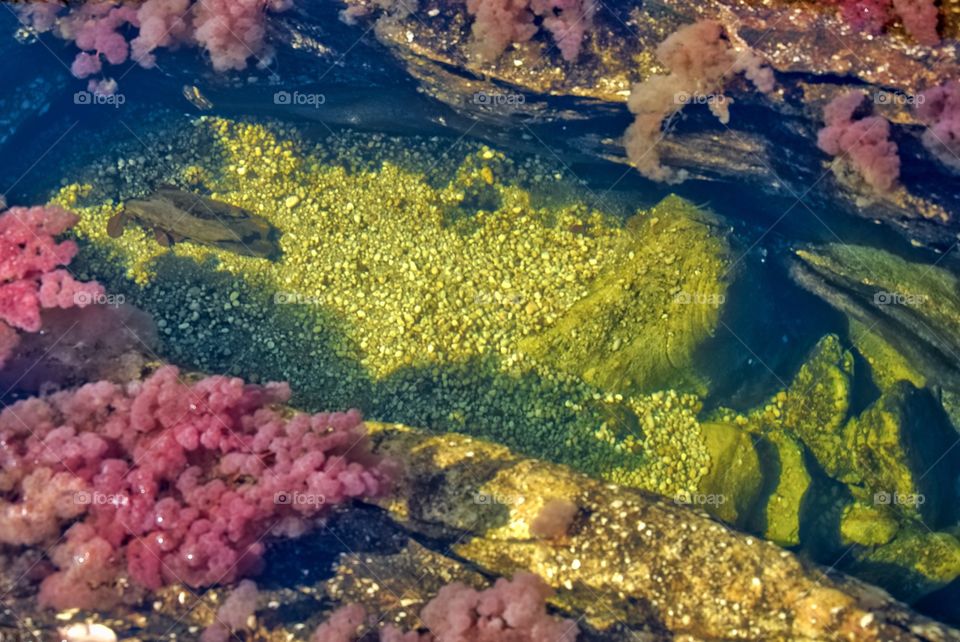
(816, 406)
(783, 459)
(637, 328)
(901, 448)
(904, 315)
(734, 473)
(867, 525)
(914, 564)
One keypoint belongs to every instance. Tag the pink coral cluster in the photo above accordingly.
(865, 142)
(509, 611)
(233, 613)
(939, 109)
(498, 23)
(167, 481)
(701, 59)
(31, 278)
(230, 31)
(919, 17)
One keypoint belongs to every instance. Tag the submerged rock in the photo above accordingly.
(913, 565)
(910, 309)
(900, 448)
(631, 558)
(816, 404)
(638, 327)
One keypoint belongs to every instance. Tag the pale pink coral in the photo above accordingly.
(163, 24)
(554, 519)
(342, 626)
(939, 109)
(865, 142)
(701, 60)
(498, 23)
(919, 17)
(233, 613)
(230, 31)
(509, 611)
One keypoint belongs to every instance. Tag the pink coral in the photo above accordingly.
(163, 24)
(939, 109)
(497, 23)
(554, 519)
(233, 613)
(342, 626)
(230, 31)
(30, 278)
(79, 340)
(509, 611)
(170, 481)
(865, 142)
(701, 60)
(234, 30)
(919, 17)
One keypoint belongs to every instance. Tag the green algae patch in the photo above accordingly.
(638, 327)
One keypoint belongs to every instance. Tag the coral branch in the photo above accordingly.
(865, 142)
(511, 610)
(229, 31)
(939, 109)
(498, 23)
(701, 60)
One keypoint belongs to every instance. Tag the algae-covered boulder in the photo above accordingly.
(867, 525)
(915, 563)
(638, 327)
(817, 402)
(786, 471)
(735, 478)
(901, 449)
